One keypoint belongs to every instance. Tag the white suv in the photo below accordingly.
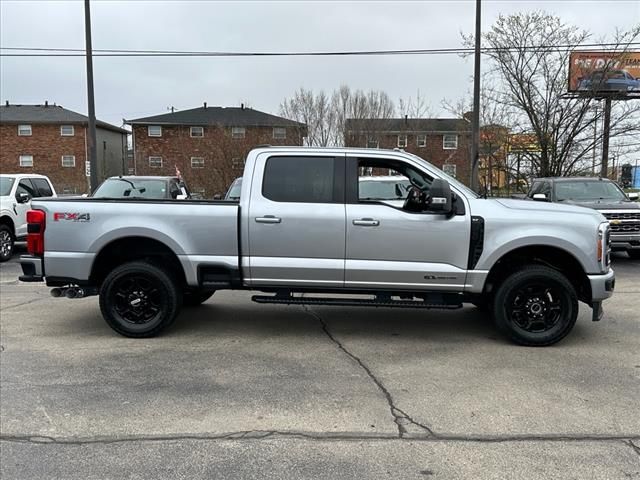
(16, 192)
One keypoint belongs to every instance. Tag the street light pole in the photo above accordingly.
(475, 122)
(91, 139)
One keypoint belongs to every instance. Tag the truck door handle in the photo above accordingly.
(367, 222)
(268, 219)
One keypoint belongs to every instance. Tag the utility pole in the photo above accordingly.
(91, 139)
(604, 173)
(475, 122)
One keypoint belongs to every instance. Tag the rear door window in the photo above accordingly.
(301, 180)
(42, 186)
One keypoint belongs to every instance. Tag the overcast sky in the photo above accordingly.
(136, 87)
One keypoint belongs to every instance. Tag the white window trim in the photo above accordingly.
(424, 138)
(21, 157)
(196, 136)
(73, 131)
(280, 137)
(444, 147)
(25, 126)
(198, 159)
(234, 135)
(406, 139)
(153, 134)
(455, 169)
(68, 156)
(155, 157)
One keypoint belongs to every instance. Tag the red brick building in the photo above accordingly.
(51, 140)
(207, 144)
(444, 142)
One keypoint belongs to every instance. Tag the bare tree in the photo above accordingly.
(530, 69)
(325, 116)
(414, 107)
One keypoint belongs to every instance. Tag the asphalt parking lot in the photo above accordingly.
(240, 390)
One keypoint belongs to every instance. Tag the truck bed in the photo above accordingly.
(199, 232)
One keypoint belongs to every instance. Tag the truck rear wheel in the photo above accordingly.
(139, 299)
(536, 306)
(7, 242)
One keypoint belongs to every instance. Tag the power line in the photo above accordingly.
(76, 52)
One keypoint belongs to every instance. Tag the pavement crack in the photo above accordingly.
(24, 303)
(635, 447)
(400, 418)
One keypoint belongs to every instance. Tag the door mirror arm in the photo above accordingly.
(22, 197)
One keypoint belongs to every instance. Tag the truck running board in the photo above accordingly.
(432, 300)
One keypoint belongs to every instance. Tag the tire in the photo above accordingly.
(535, 306)
(193, 298)
(634, 254)
(7, 243)
(154, 290)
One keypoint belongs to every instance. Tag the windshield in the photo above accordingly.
(5, 185)
(383, 190)
(131, 188)
(234, 191)
(588, 190)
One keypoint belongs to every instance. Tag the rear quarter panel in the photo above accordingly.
(197, 232)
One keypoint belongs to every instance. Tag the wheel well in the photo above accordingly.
(130, 249)
(6, 220)
(553, 257)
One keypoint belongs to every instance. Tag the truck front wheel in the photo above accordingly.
(138, 299)
(536, 306)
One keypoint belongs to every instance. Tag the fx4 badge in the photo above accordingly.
(72, 217)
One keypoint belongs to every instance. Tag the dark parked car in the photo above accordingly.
(143, 187)
(602, 195)
(611, 81)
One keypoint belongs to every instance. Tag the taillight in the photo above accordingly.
(35, 232)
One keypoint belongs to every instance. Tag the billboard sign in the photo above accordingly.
(605, 73)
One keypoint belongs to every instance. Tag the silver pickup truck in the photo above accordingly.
(301, 228)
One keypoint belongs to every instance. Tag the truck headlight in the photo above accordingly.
(603, 246)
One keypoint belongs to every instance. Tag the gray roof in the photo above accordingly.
(407, 125)
(48, 114)
(226, 116)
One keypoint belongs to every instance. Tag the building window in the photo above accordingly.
(131, 171)
(68, 190)
(24, 130)
(68, 161)
(155, 130)
(155, 162)
(237, 163)
(402, 141)
(26, 160)
(66, 130)
(279, 133)
(421, 141)
(197, 162)
(197, 131)
(198, 193)
(237, 132)
(372, 143)
(450, 142)
(449, 169)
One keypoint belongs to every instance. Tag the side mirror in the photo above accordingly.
(633, 196)
(540, 197)
(22, 197)
(440, 199)
(84, 195)
(181, 197)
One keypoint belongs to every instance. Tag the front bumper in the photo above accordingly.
(624, 242)
(602, 287)
(32, 268)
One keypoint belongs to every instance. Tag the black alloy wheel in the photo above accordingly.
(7, 242)
(139, 299)
(536, 306)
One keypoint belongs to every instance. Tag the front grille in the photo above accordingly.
(624, 222)
(633, 215)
